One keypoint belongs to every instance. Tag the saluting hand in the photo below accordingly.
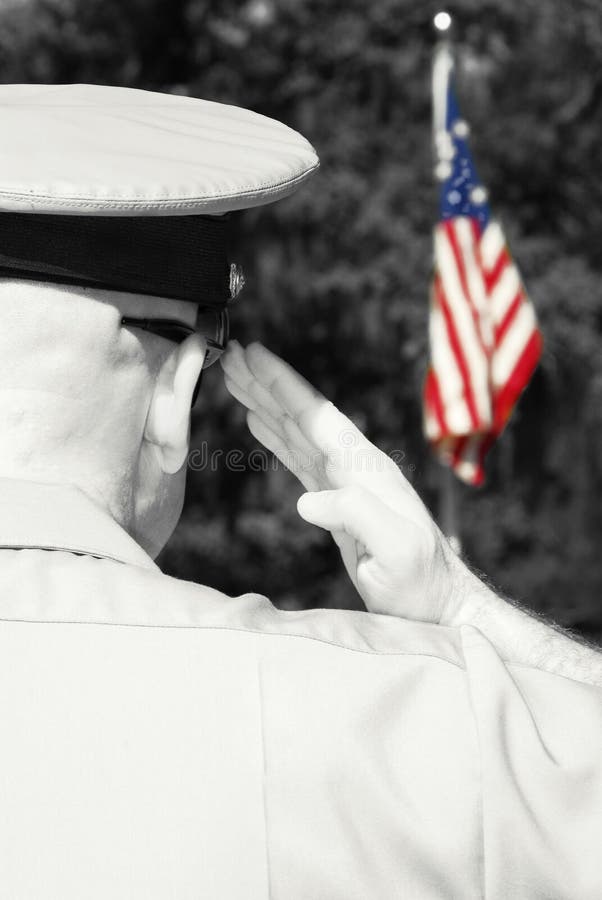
(397, 558)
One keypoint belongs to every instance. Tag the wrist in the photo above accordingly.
(467, 597)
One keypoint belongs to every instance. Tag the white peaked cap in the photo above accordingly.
(81, 149)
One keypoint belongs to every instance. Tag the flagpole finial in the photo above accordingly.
(442, 21)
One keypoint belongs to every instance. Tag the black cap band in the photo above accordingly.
(183, 257)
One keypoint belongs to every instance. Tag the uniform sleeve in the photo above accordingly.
(540, 743)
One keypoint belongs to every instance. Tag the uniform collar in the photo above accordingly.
(41, 516)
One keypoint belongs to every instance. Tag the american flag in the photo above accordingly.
(483, 334)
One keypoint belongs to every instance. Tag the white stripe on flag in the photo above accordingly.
(512, 347)
(474, 355)
(504, 292)
(449, 379)
(492, 244)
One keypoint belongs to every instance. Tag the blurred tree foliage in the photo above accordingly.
(338, 275)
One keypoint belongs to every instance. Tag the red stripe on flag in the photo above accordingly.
(458, 353)
(476, 231)
(433, 399)
(506, 397)
(493, 275)
(511, 312)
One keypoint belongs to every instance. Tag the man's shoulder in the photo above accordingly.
(345, 629)
(63, 587)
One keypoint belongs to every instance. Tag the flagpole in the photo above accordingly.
(449, 519)
(442, 69)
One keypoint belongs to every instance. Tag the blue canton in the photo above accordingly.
(457, 190)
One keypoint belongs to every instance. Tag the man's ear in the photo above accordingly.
(168, 421)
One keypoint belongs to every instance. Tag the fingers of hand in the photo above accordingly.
(240, 394)
(321, 423)
(351, 459)
(283, 439)
(297, 439)
(348, 452)
(246, 389)
(311, 425)
(311, 421)
(234, 364)
(289, 389)
(294, 462)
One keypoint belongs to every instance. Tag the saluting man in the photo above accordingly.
(159, 739)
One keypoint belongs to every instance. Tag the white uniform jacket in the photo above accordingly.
(161, 741)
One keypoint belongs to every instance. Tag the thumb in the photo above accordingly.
(357, 512)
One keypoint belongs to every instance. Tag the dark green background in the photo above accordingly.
(338, 275)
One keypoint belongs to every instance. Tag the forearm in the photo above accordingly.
(520, 636)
